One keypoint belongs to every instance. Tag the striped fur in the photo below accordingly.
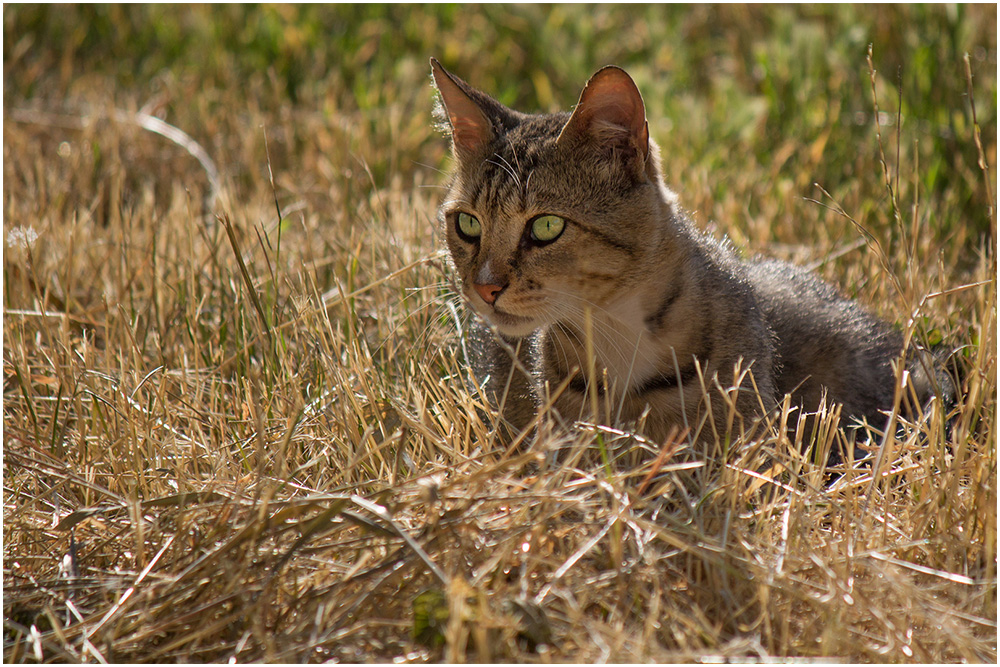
(677, 324)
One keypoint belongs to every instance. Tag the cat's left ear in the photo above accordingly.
(471, 129)
(610, 113)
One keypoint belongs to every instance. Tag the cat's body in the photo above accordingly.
(569, 244)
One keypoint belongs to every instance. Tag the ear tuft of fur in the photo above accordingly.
(440, 114)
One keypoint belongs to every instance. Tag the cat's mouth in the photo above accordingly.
(509, 324)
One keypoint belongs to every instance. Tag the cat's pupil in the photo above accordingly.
(468, 226)
(547, 228)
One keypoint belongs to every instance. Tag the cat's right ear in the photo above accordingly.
(471, 130)
(610, 113)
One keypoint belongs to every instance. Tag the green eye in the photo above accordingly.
(469, 227)
(546, 228)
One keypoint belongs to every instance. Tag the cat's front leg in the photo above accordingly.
(504, 368)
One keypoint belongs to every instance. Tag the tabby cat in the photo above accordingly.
(570, 246)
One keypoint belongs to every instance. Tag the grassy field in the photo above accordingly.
(237, 424)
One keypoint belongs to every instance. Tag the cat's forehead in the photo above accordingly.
(530, 142)
(514, 169)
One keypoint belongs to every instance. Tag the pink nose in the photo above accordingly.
(488, 292)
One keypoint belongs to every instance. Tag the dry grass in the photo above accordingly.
(238, 424)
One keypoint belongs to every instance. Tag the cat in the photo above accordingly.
(595, 291)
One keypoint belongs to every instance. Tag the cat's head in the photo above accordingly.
(547, 214)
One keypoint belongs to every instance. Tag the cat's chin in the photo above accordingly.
(512, 326)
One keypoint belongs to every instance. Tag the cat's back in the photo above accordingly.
(824, 340)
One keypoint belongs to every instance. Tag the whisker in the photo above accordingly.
(506, 167)
(611, 338)
(432, 168)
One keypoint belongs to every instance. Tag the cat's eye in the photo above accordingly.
(547, 228)
(468, 227)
